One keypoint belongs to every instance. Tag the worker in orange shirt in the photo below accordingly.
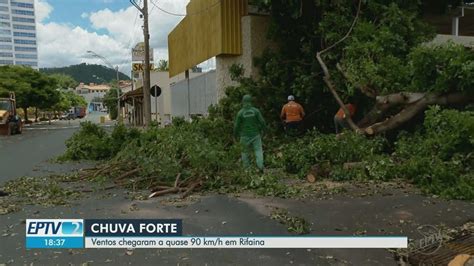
(340, 117)
(292, 114)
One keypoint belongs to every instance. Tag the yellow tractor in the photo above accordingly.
(10, 122)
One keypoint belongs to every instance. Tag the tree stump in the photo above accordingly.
(318, 171)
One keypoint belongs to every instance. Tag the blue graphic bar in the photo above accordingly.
(54, 242)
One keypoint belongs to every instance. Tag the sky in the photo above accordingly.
(67, 29)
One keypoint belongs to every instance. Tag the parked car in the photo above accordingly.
(79, 112)
(67, 116)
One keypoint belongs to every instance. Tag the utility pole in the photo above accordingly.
(186, 75)
(119, 110)
(146, 69)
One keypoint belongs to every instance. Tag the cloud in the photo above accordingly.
(65, 44)
(125, 24)
(43, 9)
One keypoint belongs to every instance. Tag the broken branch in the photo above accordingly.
(177, 180)
(415, 107)
(163, 192)
(191, 189)
(129, 173)
(327, 76)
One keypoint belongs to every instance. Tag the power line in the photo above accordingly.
(184, 15)
(134, 24)
(153, 7)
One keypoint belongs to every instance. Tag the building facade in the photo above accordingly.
(93, 94)
(18, 40)
(234, 32)
(193, 97)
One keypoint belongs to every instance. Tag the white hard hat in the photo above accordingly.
(291, 98)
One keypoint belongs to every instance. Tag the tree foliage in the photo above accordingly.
(162, 65)
(64, 81)
(386, 53)
(437, 158)
(69, 99)
(87, 73)
(32, 88)
(110, 101)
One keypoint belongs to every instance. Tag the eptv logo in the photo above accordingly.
(54, 227)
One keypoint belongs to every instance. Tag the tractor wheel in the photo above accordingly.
(9, 129)
(19, 129)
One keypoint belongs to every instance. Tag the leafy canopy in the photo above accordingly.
(386, 53)
(32, 88)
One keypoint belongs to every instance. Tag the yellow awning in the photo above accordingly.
(210, 28)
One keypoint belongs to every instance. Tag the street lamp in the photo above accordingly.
(94, 54)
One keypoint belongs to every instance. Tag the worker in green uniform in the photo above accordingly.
(249, 125)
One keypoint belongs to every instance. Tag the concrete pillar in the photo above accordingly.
(254, 42)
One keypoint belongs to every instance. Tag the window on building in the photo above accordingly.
(27, 63)
(25, 42)
(4, 24)
(3, 16)
(23, 27)
(4, 8)
(25, 49)
(26, 56)
(6, 62)
(6, 54)
(19, 4)
(5, 47)
(23, 12)
(5, 32)
(3, 1)
(5, 39)
(18, 19)
(24, 34)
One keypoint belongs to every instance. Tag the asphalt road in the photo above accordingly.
(393, 210)
(29, 154)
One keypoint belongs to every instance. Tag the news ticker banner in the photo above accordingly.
(168, 233)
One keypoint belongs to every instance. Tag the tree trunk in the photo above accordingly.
(327, 75)
(415, 106)
(25, 110)
(36, 114)
(387, 103)
(327, 80)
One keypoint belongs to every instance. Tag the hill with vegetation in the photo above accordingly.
(87, 73)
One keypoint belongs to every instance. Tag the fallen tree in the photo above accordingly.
(409, 104)
(375, 54)
(437, 158)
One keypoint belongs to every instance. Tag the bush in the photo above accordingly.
(446, 133)
(315, 148)
(89, 143)
(92, 142)
(439, 158)
(202, 148)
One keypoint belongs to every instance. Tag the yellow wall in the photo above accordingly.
(211, 28)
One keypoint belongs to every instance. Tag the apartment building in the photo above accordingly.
(18, 40)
